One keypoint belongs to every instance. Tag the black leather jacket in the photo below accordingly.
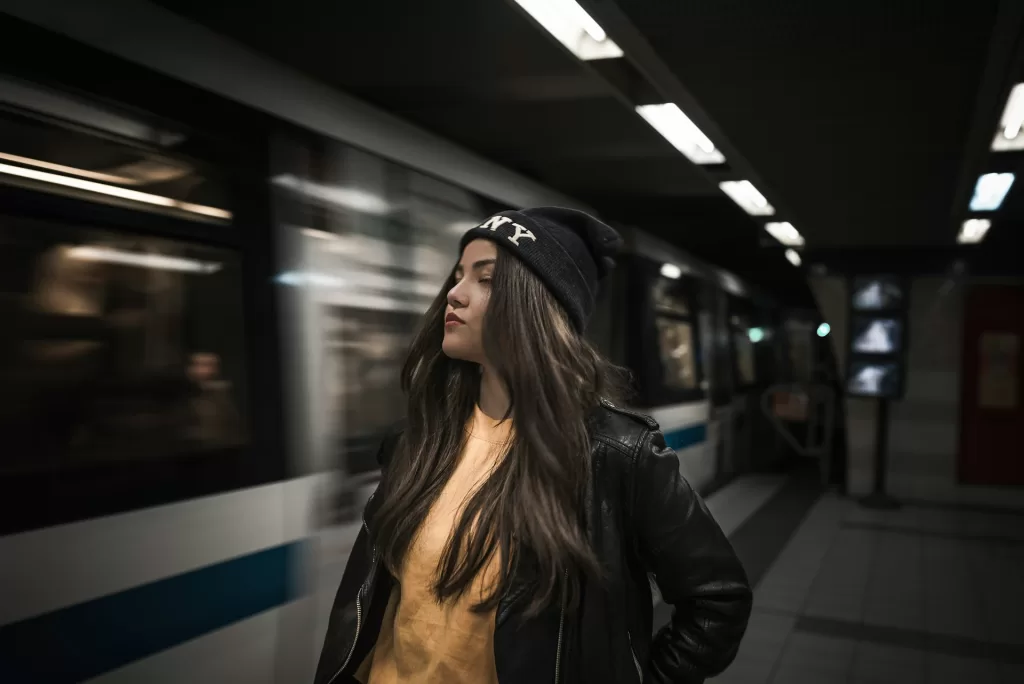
(643, 520)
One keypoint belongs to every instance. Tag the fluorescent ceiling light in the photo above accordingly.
(785, 233)
(684, 135)
(309, 278)
(145, 171)
(746, 195)
(1009, 136)
(113, 191)
(70, 170)
(319, 234)
(348, 198)
(973, 231)
(572, 27)
(731, 284)
(158, 261)
(990, 191)
(793, 257)
(671, 271)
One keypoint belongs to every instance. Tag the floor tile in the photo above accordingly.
(948, 669)
(878, 664)
(811, 659)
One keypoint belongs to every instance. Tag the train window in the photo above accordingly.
(675, 335)
(119, 350)
(668, 301)
(678, 356)
(664, 351)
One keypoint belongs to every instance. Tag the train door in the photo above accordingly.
(744, 347)
(722, 383)
(992, 413)
(769, 339)
(713, 434)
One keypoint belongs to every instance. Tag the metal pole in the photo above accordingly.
(878, 498)
(881, 442)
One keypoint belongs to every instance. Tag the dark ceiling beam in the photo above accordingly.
(541, 88)
(976, 261)
(646, 61)
(1004, 62)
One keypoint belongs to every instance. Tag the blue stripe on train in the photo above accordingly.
(686, 437)
(88, 639)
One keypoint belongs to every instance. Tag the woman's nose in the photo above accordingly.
(456, 299)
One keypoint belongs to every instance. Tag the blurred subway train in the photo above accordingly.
(206, 302)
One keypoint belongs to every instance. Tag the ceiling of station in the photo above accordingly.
(855, 117)
(856, 112)
(478, 73)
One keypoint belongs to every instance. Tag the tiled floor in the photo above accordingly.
(913, 596)
(733, 504)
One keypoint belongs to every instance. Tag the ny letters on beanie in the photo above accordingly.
(569, 250)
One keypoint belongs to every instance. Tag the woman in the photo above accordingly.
(520, 513)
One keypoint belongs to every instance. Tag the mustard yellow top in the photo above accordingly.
(421, 640)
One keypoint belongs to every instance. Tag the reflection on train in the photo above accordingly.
(155, 344)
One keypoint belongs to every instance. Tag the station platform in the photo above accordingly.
(920, 595)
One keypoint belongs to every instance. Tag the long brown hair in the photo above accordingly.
(531, 507)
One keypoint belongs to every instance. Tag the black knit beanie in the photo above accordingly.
(569, 250)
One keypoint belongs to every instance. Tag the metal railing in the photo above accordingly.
(811, 405)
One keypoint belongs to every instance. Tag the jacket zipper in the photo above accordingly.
(359, 605)
(636, 662)
(355, 639)
(561, 626)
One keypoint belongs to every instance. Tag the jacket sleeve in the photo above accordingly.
(696, 569)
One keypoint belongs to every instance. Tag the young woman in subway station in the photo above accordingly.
(520, 512)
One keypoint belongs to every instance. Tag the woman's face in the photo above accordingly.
(467, 302)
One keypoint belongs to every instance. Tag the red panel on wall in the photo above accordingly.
(992, 404)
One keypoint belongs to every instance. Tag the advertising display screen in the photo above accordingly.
(874, 379)
(876, 293)
(877, 335)
(877, 341)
